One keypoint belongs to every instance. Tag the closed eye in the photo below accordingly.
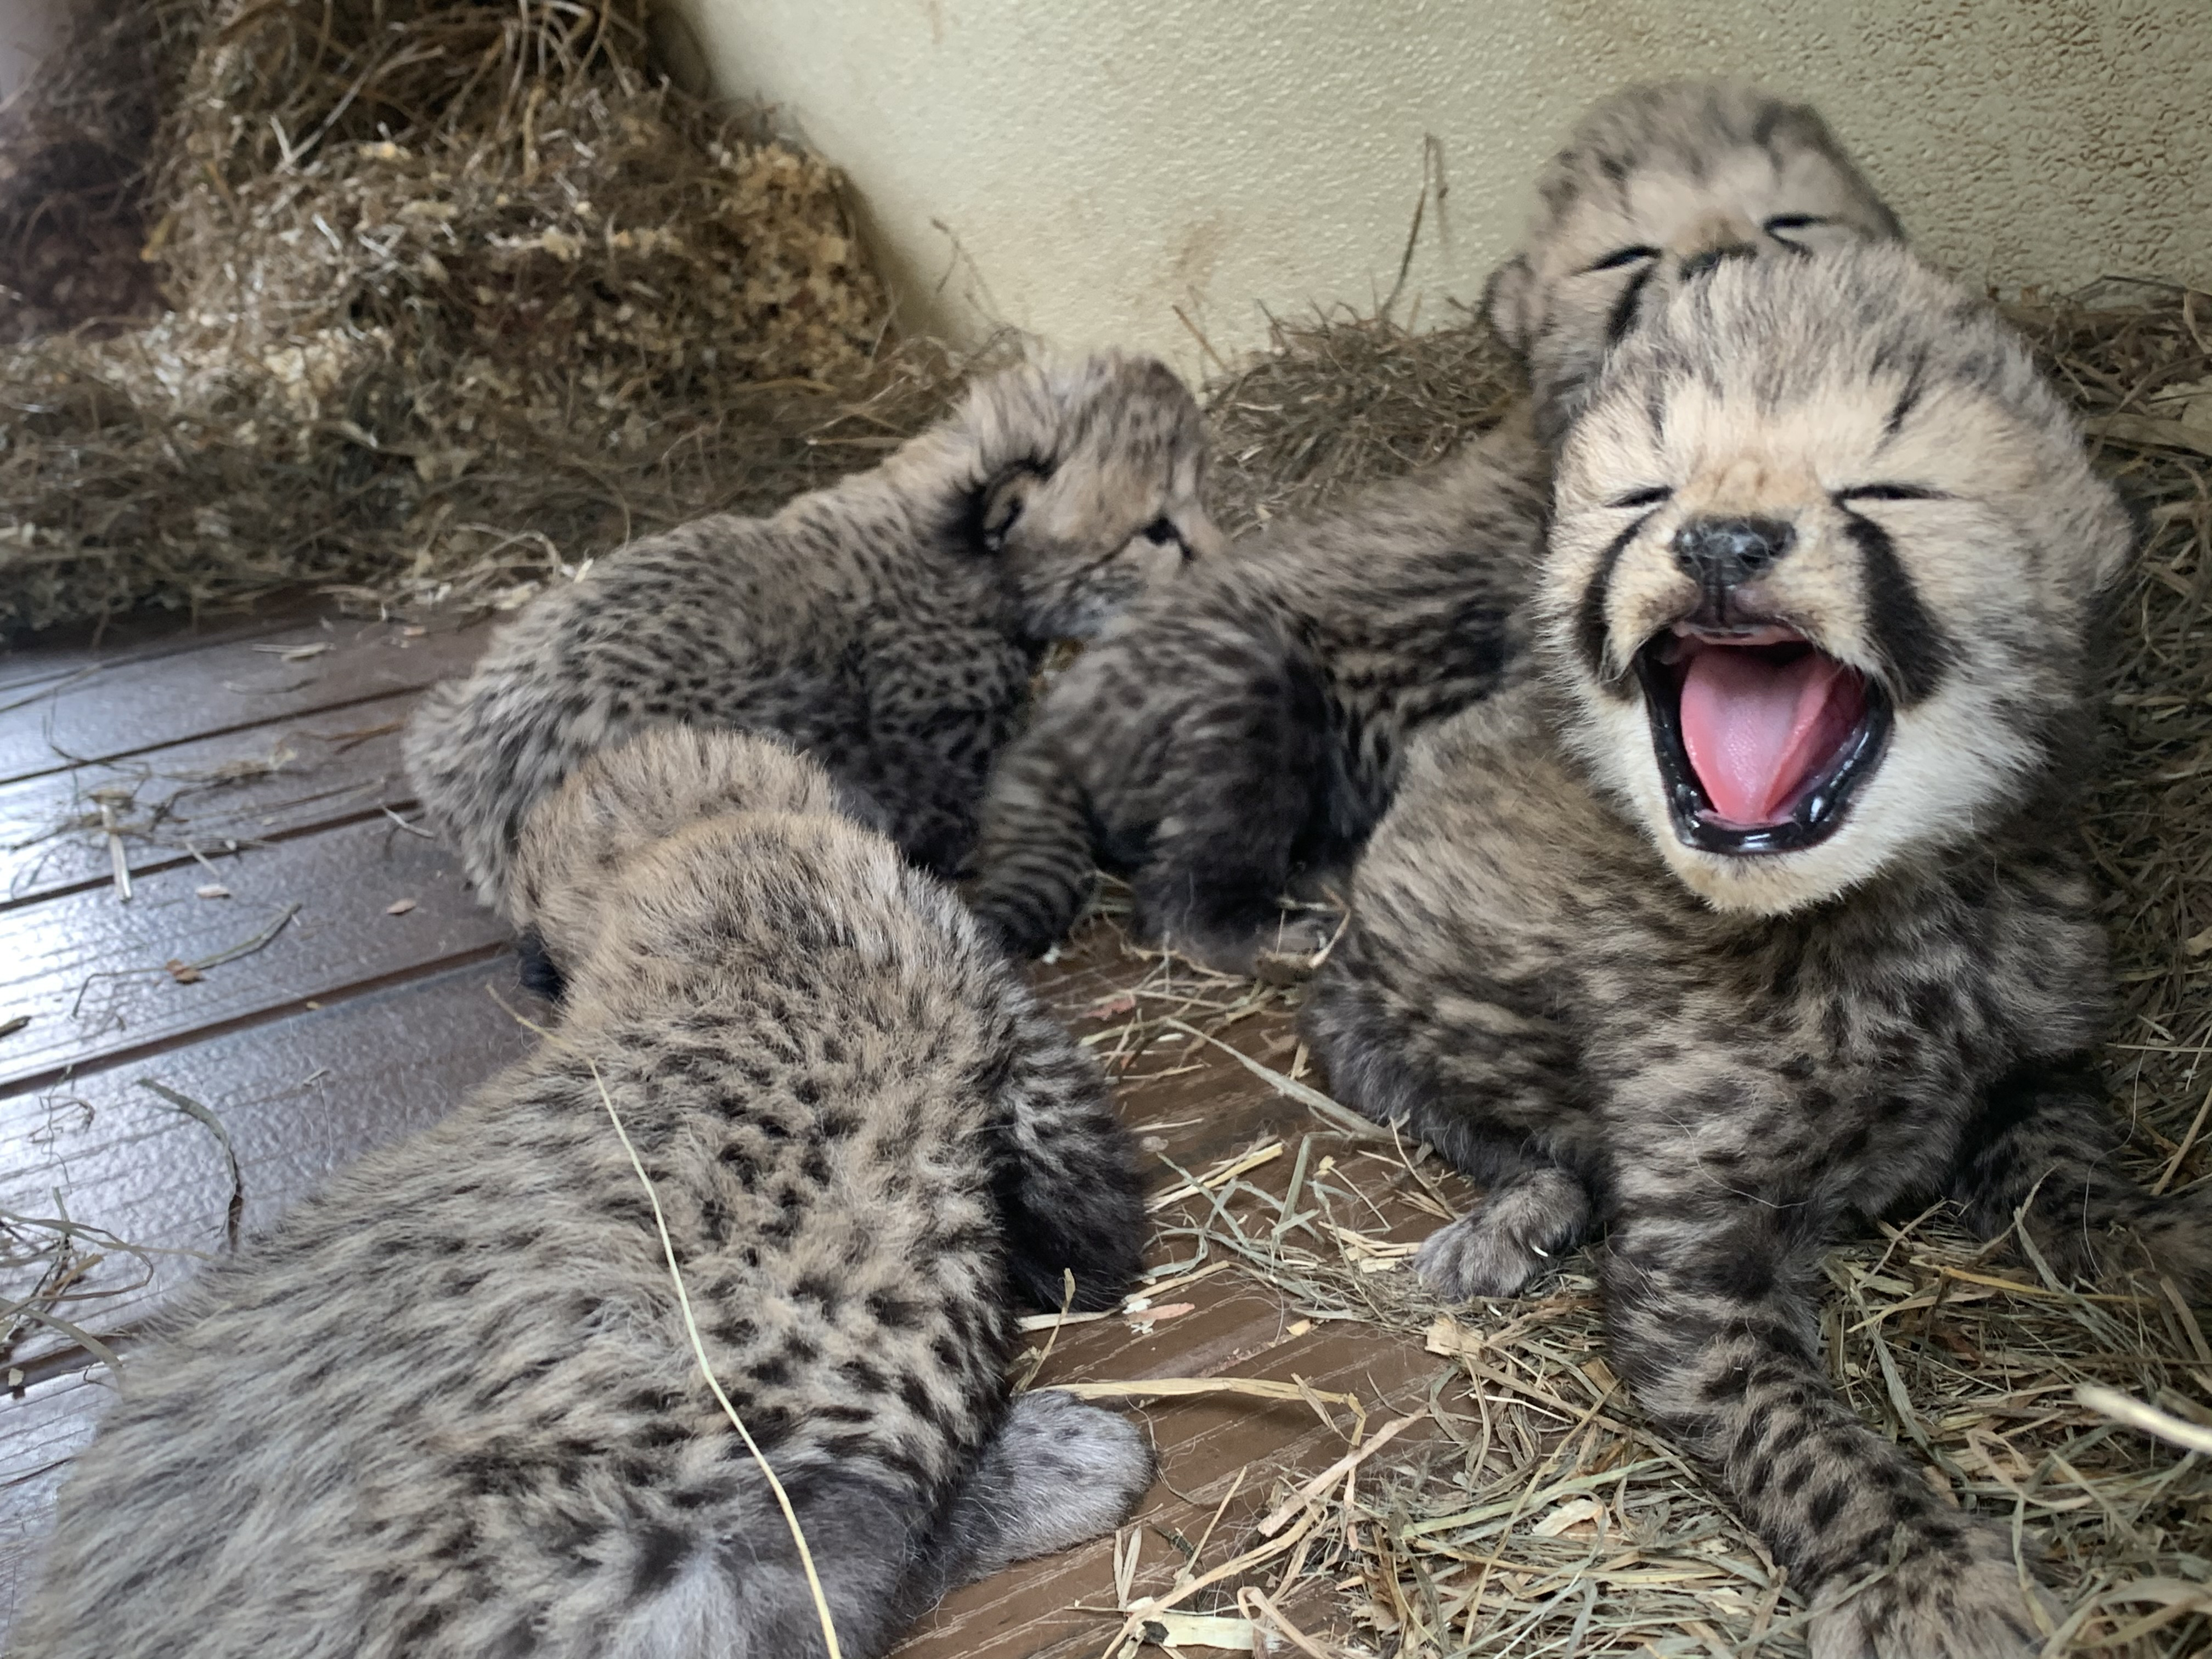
(1650, 497)
(1781, 224)
(1162, 530)
(1887, 492)
(1623, 256)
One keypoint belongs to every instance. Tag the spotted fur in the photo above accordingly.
(448, 1408)
(1723, 1058)
(888, 625)
(1243, 728)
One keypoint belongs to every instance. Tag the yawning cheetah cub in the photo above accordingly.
(450, 1409)
(888, 625)
(1763, 908)
(1248, 722)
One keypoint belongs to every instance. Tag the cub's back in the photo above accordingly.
(454, 1389)
(716, 608)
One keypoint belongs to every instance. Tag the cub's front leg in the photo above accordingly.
(1241, 781)
(1708, 1281)
(939, 710)
(1470, 1063)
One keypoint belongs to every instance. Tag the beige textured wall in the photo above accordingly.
(1079, 168)
(28, 29)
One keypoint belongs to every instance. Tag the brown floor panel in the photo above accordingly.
(89, 974)
(1208, 1445)
(408, 1026)
(205, 793)
(163, 700)
(33, 659)
(1206, 1448)
(298, 1099)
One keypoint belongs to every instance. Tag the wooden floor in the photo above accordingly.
(298, 974)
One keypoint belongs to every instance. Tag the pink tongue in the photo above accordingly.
(1755, 728)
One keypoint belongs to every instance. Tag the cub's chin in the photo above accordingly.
(1767, 884)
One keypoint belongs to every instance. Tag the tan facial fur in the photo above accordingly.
(1770, 393)
(1125, 471)
(1655, 181)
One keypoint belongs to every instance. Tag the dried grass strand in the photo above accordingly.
(698, 1343)
(706, 1370)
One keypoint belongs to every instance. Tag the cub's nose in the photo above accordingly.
(1720, 553)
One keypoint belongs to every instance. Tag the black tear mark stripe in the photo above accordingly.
(1589, 615)
(1624, 308)
(1905, 636)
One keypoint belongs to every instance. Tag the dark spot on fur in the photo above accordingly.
(863, 1376)
(917, 1399)
(896, 1312)
(660, 1552)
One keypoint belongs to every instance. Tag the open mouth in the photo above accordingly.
(1762, 737)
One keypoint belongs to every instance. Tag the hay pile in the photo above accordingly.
(1533, 1511)
(72, 170)
(457, 292)
(1343, 401)
(2142, 374)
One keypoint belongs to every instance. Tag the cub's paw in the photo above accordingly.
(2175, 1234)
(1282, 947)
(2152, 1236)
(1934, 1604)
(1009, 922)
(1295, 951)
(1526, 1224)
(1065, 1471)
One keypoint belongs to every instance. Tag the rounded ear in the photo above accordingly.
(997, 505)
(1508, 300)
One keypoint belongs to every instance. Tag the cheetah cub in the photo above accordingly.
(1246, 724)
(1762, 909)
(450, 1408)
(888, 625)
